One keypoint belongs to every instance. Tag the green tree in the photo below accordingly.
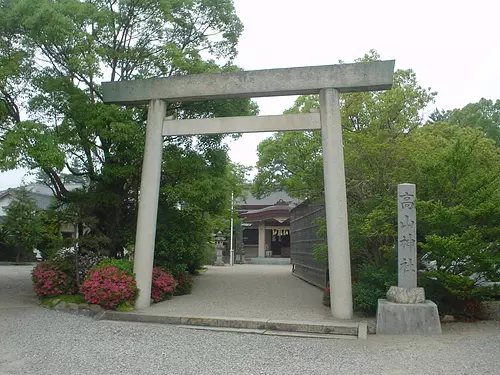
(14, 68)
(457, 171)
(51, 239)
(439, 116)
(22, 225)
(374, 124)
(376, 130)
(187, 217)
(71, 47)
(483, 115)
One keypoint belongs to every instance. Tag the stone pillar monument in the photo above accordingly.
(407, 291)
(219, 247)
(406, 311)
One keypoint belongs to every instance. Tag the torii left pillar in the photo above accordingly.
(148, 202)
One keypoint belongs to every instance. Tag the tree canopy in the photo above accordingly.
(483, 115)
(293, 161)
(55, 54)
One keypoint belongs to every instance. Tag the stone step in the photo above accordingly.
(268, 260)
(355, 329)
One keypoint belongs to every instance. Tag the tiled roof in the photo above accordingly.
(269, 200)
(41, 193)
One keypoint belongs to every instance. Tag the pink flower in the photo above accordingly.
(163, 284)
(50, 281)
(108, 287)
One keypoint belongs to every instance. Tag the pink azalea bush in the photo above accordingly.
(109, 286)
(50, 280)
(163, 285)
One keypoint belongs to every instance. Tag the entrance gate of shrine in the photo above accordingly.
(327, 81)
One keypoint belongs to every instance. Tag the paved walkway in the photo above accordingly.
(248, 291)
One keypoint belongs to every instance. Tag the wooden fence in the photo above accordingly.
(303, 236)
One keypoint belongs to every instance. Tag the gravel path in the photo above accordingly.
(16, 289)
(39, 341)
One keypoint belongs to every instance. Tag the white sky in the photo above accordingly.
(452, 45)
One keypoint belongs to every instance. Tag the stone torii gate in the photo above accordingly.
(328, 81)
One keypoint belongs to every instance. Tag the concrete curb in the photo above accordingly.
(271, 333)
(356, 329)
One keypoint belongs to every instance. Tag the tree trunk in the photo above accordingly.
(77, 249)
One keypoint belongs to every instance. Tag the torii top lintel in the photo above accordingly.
(356, 77)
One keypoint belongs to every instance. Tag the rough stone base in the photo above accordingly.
(406, 295)
(413, 319)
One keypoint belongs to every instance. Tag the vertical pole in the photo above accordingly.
(339, 260)
(148, 202)
(262, 240)
(231, 248)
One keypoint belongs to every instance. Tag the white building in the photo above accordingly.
(41, 193)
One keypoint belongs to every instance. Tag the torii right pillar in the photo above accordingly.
(339, 259)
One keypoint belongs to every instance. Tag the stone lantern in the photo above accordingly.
(219, 247)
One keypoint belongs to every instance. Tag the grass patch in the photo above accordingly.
(124, 307)
(77, 298)
(53, 301)
(47, 302)
(201, 271)
(22, 263)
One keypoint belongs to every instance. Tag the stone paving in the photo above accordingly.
(248, 291)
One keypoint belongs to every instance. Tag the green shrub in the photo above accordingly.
(7, 252)
(449, 303)
(51, 240)
(122, 264)
(185, 283)
(462, 261)
(86, 262)
(373, 283)
(208, 254)
(181, 238)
